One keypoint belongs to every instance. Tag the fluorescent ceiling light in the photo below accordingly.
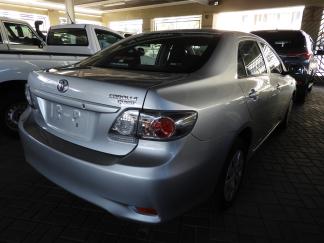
(114, 4)
(53, 6)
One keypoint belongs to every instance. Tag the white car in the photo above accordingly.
(23, 51)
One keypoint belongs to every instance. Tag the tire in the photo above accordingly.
(232, 174)
(285, 122)
(12, 107)
(301, 94)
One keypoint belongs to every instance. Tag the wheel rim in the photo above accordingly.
(13, 114)
(234, 176)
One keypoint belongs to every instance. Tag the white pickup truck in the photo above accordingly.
(23, 51)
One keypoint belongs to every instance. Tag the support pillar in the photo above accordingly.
(312, 19)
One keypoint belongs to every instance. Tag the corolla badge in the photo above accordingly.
(63, 85)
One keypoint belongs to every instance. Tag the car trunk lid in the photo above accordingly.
(81, 105)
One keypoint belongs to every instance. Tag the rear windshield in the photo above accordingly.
(170, 54)
(67, 37)
(284, 41)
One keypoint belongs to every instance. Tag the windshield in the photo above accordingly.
(284, 41)
(168, 54)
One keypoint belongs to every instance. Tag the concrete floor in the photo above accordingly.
(282, 198)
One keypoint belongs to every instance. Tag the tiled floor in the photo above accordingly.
(282, 199)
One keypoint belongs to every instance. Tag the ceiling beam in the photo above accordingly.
(100, 3)
(203, 2)
(149, 6)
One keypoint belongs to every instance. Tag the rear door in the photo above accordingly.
(278, 82)
(256, 87)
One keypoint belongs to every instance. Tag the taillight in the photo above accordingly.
(125, 126)
(152, 125)
(304, 55)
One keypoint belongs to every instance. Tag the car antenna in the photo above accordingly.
(72, 22)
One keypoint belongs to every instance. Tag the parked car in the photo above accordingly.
(80, 38)
(149, 140)
(296, 49)
(23, 51)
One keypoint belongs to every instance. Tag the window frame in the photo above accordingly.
(276, 55)
(17, 23)
(239, 53)
(162, 53)
(111, 33)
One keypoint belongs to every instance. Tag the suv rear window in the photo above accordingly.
(168, 54)
(283, 41)
(67, 37)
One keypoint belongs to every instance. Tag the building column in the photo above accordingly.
(312, 18)
(54, 17)
(69, 10)
(207, 20)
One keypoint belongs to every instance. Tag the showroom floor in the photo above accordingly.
(282, 199)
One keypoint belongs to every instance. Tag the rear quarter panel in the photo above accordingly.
(213, 92)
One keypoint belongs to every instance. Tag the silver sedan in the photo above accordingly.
(149, 127)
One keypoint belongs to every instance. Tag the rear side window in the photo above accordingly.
(20, 34)
(169, 54)
(68, 37)
(272, 60)
(252, 58)
(106, 38)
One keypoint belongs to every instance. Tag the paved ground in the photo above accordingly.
(282, 199)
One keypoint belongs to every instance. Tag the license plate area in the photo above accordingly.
(69, 120)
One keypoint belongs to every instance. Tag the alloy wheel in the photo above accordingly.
(12, 115)
(234, 176)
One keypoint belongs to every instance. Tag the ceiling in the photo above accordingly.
(122, 4)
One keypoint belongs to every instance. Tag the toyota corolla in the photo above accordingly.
(149, 127)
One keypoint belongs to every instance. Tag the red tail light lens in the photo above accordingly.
(304, 55)
(155, 125)
(146, 211)
(163, 127)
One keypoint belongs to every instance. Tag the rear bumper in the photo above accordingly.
(168, 179)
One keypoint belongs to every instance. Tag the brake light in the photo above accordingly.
(146, 211)
(152, 125)
(304, 55)
(163, 127)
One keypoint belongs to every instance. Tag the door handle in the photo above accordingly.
(253, 94)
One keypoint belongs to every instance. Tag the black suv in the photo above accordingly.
(296, 49)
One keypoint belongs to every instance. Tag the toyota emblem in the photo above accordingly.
(63, 86)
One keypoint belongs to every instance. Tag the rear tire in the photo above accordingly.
(285, 122)
(232, 174)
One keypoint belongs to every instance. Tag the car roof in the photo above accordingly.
(278, 32)
(192, 32)
(13, 20)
